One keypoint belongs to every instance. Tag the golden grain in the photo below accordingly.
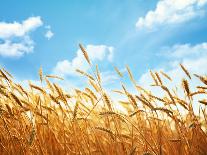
(37, 122)
(185, 71)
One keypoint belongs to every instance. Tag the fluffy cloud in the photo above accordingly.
(95, 52)
(108, 77)
(186, 50)
(9, 49)
(15, 40)
(16, 29)
(193, 57)
(49, 34)
(172, 12)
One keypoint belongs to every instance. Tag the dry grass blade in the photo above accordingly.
(132, 100)
(166, 76)
(157, 98)
(41, 74)
(168, 92)
(7, 73)
(32, 136)
(54, 77)
(139, 88)
(118, 72)
(197, 92)
(158, 77)
(85, 74)
(75, 110)
(98, 74)
(154, 78)
(201, 87)
(9, 109)
(203, 102)
(93, 84)
(163, 109)
(22, 89)
(37, 88)
(124, 89)
(130, 97)
(145, 102)
(50, 86)
(107, 101)
(91, 93)
(186, 87)
(4, 75)
(105, 130)
(16, 99)
(130, 73)
(134, 113)
(59, 91)
(33, 131)
(118, 91)
(85, 54)
(112, 113)
(203, 79)
(185, 71)
(54, 99)
(182, 103)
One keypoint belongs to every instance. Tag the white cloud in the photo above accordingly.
(172, 12)
(15, 39)
(63, 68)
(186, 50)
(95, 52)
(9, 49)
(49, 34)
(193, 57)
(15, 29)
(108, 78)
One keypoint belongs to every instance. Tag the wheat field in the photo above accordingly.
(45, 119)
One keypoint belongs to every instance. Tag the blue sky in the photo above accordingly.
(145, 34)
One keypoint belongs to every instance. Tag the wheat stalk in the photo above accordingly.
(185, 71)
(85, 54)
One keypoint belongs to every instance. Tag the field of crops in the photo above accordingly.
(45, 119)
